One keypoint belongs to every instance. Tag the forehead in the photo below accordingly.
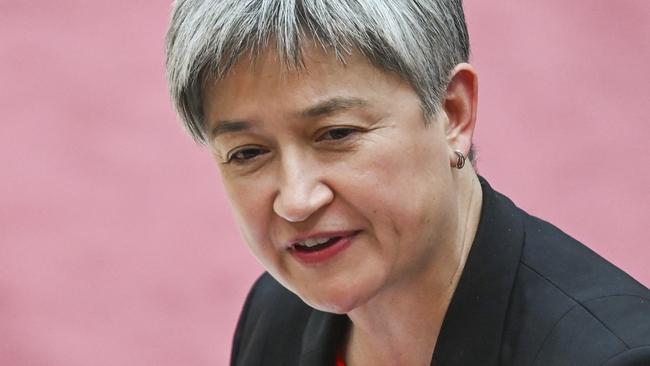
(266, 79)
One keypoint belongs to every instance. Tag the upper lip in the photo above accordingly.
(319, 235)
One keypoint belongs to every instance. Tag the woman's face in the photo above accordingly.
(340, 189)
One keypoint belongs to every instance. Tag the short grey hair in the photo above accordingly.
(420, 40)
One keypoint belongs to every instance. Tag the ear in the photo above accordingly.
(459, 105)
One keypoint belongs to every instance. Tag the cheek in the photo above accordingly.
(379, 194)
(404, 192)
(400, 182)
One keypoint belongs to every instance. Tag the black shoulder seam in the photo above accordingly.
(628, 352)
(578, 303)
(541, 346)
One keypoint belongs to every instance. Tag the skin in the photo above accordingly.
(294, 159)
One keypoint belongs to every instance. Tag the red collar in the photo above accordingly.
(340, 361)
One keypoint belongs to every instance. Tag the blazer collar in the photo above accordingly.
(322, 338)
(473, 325)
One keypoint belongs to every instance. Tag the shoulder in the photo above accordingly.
(571, 306)
(270, 313)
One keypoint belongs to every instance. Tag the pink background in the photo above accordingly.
(116, 242)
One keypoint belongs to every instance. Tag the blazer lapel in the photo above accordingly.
(472, 330)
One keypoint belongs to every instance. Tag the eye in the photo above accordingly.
(245, 155)
(338, 133)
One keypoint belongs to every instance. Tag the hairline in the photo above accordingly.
(420, 41)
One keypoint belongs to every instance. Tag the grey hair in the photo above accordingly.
(420, 40)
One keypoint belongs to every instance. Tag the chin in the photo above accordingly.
(334, 307)
(336, 301)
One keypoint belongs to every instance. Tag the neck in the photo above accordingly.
(401, 325)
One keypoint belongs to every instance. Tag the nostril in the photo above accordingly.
(292, 209)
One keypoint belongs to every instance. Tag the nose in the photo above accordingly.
(302, 191)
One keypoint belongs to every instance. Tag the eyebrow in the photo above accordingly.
(333, 105)
(222, 127)
(322, 109)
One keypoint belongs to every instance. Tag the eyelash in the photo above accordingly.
(232, 157)
(350, 130)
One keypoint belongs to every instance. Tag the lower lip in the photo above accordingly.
(324, 254)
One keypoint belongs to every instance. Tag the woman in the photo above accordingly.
(342, 129)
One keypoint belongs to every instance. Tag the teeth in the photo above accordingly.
(313, 242)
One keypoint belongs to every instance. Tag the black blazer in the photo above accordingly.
(529, 295)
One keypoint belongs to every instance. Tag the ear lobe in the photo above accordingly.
(460, 105)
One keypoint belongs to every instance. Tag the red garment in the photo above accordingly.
(339, 359)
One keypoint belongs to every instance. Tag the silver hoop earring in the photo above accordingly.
(460, 163)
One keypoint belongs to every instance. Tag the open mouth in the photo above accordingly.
(314, 246)
(320, 249)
